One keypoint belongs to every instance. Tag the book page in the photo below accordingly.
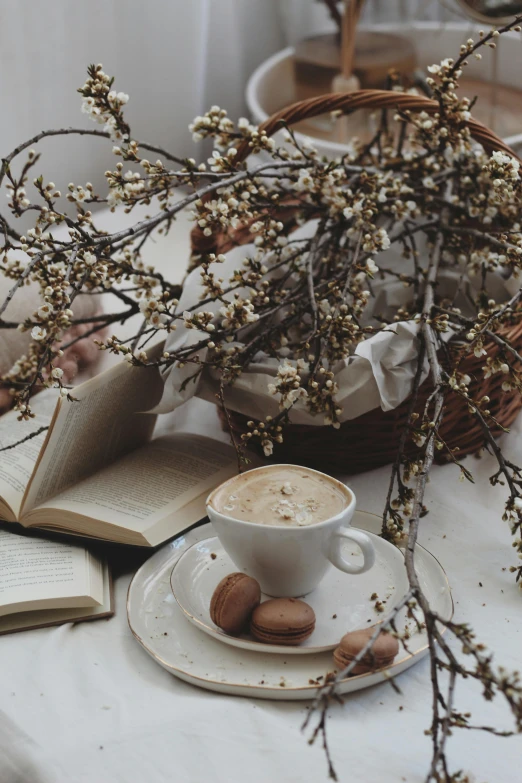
(102, 425)
(17, 464)
(41, 618)
(36, 572)
(148, 485)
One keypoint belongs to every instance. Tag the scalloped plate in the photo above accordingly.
(173, 642)
(341, 602)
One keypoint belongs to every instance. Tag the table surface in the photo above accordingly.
(85, 703)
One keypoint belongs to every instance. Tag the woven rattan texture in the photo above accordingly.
(372, 439)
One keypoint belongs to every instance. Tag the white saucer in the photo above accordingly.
(165, 634)
(341, 602)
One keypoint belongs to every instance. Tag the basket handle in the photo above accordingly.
(368, 99)
(346, 103)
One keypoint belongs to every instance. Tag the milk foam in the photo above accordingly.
(288, 495)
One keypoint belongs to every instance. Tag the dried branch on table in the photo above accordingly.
(422, 188)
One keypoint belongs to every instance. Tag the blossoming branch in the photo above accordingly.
(422, 187)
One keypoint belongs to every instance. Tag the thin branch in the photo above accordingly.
(237, 447)
(24, 440)
(404, 434)
(334, 12)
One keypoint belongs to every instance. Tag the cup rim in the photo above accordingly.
(323, 523)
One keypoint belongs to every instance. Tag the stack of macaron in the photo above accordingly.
(236, 607)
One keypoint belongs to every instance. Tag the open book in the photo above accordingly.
(48, 583)
(96, 472)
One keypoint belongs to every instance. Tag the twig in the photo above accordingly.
(238, 448)
(362, 206)
(24, 440)
(404, 434)
(493, 336)
(334, 12)
(484, 40)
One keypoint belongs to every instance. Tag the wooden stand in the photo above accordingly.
(317, 61)
(317, 65)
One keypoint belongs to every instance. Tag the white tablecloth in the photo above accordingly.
(85, 703)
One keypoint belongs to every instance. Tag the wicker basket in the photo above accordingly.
(372, 439)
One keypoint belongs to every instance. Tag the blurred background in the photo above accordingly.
(174, 58)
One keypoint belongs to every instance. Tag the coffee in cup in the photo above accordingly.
(291, 496)
(285, 526)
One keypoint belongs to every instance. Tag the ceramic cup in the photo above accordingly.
(291, 561)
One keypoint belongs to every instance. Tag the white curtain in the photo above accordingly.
(174, 58)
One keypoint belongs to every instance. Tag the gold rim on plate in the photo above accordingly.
(268, 689)
(252, 644)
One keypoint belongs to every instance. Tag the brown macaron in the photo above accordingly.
(233, 601)
(384, 650)
(286, 621)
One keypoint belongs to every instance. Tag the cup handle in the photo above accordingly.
(363, 542)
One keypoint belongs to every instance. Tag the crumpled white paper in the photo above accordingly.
(379, 375)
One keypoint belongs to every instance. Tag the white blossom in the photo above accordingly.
(371, 266)
(268, 447)
(44, 311)
(38, 333)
